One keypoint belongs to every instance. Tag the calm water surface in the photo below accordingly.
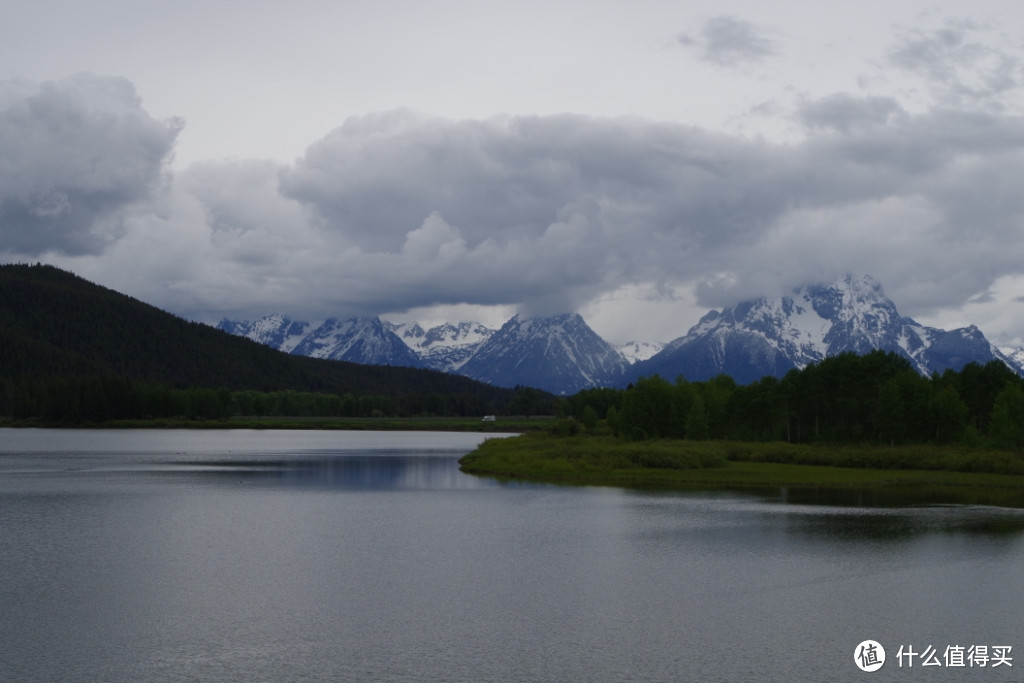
(355, 556)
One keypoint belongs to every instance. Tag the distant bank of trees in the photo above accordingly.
(874, 398)
(78, 399)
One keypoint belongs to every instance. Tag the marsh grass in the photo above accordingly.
(593, 460)
(916, 457)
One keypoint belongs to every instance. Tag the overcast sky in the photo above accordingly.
(639, 162)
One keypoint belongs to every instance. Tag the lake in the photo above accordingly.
(179, 555)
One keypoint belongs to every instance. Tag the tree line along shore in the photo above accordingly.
(849, 421)
(875, 398)
(844, 417)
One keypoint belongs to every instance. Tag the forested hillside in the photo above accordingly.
(58, 330)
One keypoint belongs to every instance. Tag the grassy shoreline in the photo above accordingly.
(922, 475)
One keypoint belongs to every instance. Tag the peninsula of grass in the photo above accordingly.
(928, 474)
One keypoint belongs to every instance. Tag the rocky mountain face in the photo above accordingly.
(560, 354)
(274, 330)
(770, 336)
(445, 347)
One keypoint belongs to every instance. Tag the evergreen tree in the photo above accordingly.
(1007, 420)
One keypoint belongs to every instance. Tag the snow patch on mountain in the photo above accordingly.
(445, 347)
(273, 330)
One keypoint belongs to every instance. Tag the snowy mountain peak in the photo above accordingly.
(855, 303)
(545, 326)
(362, 339)
(770, 336)
(557, 353)
(358, 340)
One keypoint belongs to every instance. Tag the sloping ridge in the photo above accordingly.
(53, 322)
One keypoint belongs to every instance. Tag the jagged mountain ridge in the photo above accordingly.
(365, 340)
(770, 336)
(1015, 355)
(560, 354)
(273, 330)
(445, 347)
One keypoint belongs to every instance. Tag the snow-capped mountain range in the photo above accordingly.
(562, 354)
(365, 340)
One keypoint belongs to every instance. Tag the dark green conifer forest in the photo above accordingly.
(73, 351)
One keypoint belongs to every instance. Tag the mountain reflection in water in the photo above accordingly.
(345, 471)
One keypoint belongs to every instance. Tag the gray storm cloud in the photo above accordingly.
(553, 211)
(72, 154)
(397, 210)
(549, 211)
